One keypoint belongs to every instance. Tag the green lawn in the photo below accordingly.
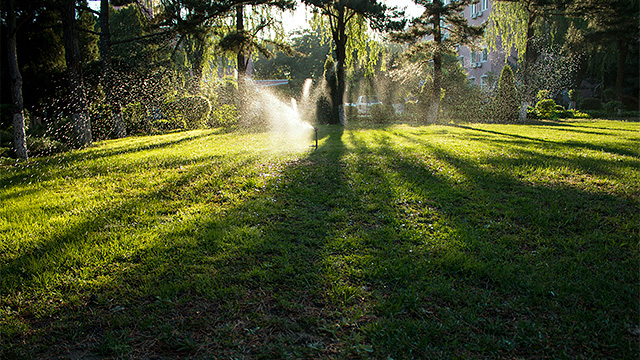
(475, 241)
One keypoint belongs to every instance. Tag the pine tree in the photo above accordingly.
(436, 32)
(506, 102)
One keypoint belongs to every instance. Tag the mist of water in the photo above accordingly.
(288, 127)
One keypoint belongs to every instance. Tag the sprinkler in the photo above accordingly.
(315, 129)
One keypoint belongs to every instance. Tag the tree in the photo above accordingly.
(107, 71)
(443, 27)
(610, 21)
(244, 40)
(19, 137)
(347, 21)
(306, 63)
(512, 26)
(506, 101)
(78, 100)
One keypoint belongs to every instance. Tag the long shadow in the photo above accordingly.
(519, 241)
(50, 167)
(50, 254)
(572, 143)
(251, 273)
(355, 250)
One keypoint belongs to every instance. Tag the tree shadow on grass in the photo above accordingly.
(243, 280)
(522, 260)
(359, 249)
(633, 149)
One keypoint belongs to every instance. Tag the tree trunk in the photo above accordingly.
(623, 49)
(119, 130)
(241, 66)
(78, 101)
(19, 137)
(196, 70)
(436, 90)
(340, 39)
(530, 56)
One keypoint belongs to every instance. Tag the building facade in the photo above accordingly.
(483, 66)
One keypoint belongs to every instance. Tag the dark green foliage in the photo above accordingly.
(306, 63)
(382, 113)
(136, 118)
(590, 104)
(461, 101)
(324, 113)
(223, 115)
(630, 103)
(44, 146)
(194, 110)
(506, 103)
(546, 109)
(573, 95)
(101, 121)
(613, 108)
(609, 94)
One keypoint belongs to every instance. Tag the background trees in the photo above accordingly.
(436, 32)
(88, 70)
(347, 22)
(19, 137)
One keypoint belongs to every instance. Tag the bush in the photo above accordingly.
(323, 110)
(609, 94)
(591, 104)
(101, 121)
(543, 95)
(630, 103)
(223, 116)
(575, 114)
(352, 113)
(613, 108)
(411, 111)
(381, 114)
(546, 109)
(184, 113)
(532, 114)
(41, 146)
(136, 120)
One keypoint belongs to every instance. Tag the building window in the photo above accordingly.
(472, 80)
(474, 9)
(484, 5)
(461, 60)
(485, 55)
(483, 82)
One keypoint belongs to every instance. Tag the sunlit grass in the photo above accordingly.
(392, 242)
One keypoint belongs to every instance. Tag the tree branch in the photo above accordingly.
(141, 37)
(86, 8)
(89, 31)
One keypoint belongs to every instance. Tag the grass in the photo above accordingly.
(476, 241)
